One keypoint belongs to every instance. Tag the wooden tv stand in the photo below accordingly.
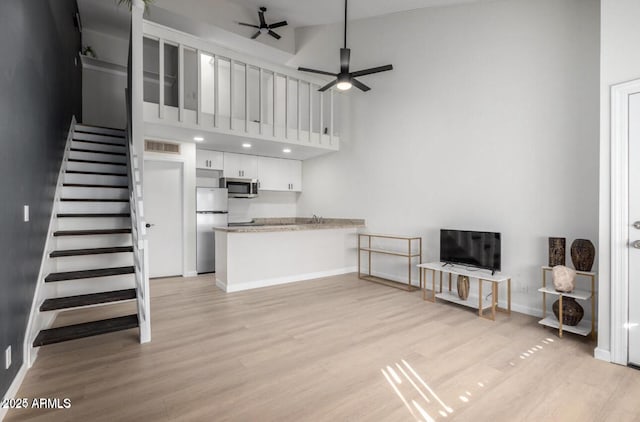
(481, 275)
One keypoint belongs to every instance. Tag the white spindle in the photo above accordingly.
(286, 108)
(321, 95)
(231, 79)
(331, 124)
(180, 82)
(260, 118)
(161, 78)
(246, 98)
(199, 87)
(298, 96)
(275, 105)
(310, 110)
(216, 89)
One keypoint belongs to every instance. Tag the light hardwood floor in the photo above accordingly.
(332, 349)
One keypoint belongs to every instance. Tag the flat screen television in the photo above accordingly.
(475, 249)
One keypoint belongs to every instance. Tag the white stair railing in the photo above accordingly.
(134, 167)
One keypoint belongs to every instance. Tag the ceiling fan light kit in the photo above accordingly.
(345, 79)
(264, 28)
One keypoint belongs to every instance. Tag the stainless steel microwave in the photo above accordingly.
(240, 188)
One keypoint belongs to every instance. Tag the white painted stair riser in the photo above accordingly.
(96, 156)
(95, 179)
(94, 285)
(90, 241)
(99, 130)
(88, 207)
(97, 147)
(98, 138)
(102, 168)
(101, 193)
(91, 262)
(101, 223)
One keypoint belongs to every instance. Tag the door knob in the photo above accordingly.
(637, 225)
(636, 244)
(149, 225)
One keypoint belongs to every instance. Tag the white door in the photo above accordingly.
(634, 229)
(163, 215)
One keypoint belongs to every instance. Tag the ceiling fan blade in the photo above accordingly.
(345, 57)
(320, 72)
(359, 85)
(256, 35)
(248, 24)
(329, 85)
(274, 35)
(372, 70)
(261, 15)
(278, 25)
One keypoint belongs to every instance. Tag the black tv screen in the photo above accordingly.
(476, 249)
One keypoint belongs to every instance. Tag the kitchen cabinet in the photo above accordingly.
(277, 174)
(240, 165)
(209, 160)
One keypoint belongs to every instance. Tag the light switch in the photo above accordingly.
(7, 358)
(26, 213)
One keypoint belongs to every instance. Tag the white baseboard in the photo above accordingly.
(282, 280)
(12, 392)
(602, 354)
(190, 274)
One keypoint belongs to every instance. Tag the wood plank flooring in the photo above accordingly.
(333, 349)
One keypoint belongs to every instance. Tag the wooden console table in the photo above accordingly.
(482, 304)
(409, 254)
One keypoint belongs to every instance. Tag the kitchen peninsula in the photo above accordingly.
(273, 251)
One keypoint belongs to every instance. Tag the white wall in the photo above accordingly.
(489, 121)
(268, 204)
(620, 62)
(103, 94)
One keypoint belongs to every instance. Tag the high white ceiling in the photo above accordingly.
(314, 12)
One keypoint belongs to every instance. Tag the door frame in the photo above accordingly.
(183, 228)
(619, 277)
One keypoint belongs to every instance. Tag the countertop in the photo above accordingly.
(292, 224)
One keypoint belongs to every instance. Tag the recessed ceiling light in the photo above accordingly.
(286, 150)
(246, 145)
(198, 139)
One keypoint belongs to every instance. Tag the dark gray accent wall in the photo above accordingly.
(40, 91)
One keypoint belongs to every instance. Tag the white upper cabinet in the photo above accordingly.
(240, 165)
(210, 160)
(279, 175)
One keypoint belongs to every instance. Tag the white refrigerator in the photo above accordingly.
(211, 211)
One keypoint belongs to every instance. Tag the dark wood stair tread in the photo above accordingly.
(100, 142)
(77, 275)
(86, 329)
(111, 163)
(93, 151)
(88, 185)
(86, 300)
(94, 200)
(92, 251)
(99, 173)
(92, 215)
(90, 232)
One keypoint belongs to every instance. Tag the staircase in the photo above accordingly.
(95, 258)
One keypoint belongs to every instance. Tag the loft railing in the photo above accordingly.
(134, 169)
(193, 83)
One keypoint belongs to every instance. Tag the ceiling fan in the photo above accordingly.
(263, 28)
(345, 79)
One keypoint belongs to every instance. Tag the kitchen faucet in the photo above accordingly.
(316, 220)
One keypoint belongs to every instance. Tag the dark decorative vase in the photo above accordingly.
(582, 254)
(572, 312)
(557, 254)
(463, 287)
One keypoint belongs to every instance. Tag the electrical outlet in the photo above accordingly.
(26, 213)
(7, 358)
